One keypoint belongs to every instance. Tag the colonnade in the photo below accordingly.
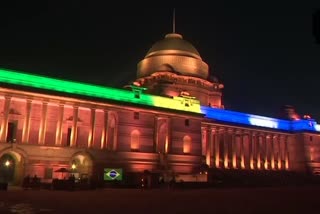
(236, 148)
(225, 147)
(27, 123)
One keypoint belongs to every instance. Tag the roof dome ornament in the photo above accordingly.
(174, 52)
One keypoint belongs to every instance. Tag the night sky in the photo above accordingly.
(265, 55)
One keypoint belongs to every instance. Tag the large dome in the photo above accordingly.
(173, 54)
(173, 44)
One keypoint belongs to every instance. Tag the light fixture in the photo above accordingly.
(73, 166)
(7, 163)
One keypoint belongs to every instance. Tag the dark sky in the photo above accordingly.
(265, 55)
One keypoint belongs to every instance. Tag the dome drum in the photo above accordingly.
(178, 64)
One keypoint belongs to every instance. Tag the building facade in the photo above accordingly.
(170, 120)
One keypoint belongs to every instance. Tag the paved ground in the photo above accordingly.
(252, 200)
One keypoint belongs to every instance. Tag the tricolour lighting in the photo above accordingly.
(256, 120)
(130, 96)
(263, 122)
(37, 81)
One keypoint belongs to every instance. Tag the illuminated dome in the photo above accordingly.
(173, 44)
(173, 54)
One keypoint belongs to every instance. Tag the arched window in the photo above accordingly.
(135, 138)
(186, 144)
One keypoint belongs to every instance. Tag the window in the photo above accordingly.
(136, 115)
(186, 145)
(135, 138)
(310, 138)
(12, 130)
(186, 122)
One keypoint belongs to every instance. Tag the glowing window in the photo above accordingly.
(135, 138)
(186, 145)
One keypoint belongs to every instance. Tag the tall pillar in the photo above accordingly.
(73, 139)
(43, 123)
(168, 137)
(208, 146)
(212, 146)
(242, 161)
(115, 138)
(26, 124)
(265, 151)
(216, 148)
(104, 135)
(203, 141)
(5, 119)
(92, 127)
(225, 148)
(286, 153)
(272, 151)
(258, 149)
(279, 151)
(156, 134)
(251, 150)
(59, 125)
(234, 149)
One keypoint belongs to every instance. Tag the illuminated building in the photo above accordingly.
(170, 120)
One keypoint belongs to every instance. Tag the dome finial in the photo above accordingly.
(174, 21)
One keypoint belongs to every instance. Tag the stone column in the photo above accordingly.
(208, 146)
(168, 137)
(115, 138)
(258, 149)
(286, 153)
(279, 151)
(212, 146)
(225, 148)
(234, 150)
(73, 138)
(203, 141)
(92, 127)
(59, 125)
(156, 134)
(26, 124)
(265, 151)
(104, 135)
(5, 119)
(43, 123)
(251, 150)
(242, 161)
(216, 148)
(272, 151)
